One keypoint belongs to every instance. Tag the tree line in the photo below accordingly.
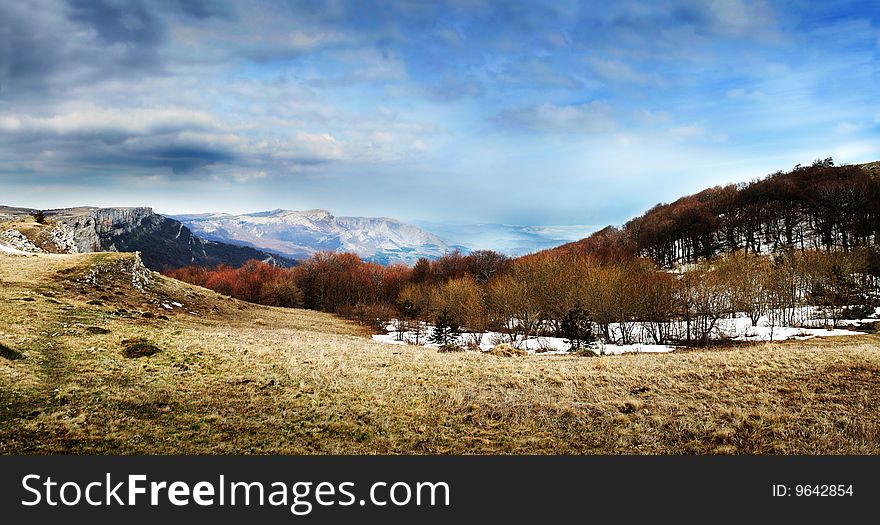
(578, 296)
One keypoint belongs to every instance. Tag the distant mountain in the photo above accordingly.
(163, 242)
(821, 206)
(299, 234)
(512, 240)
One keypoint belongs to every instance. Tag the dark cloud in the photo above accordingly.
(29, 51)
(48, 47)
(179, 159)
(202, 9)
(129, 22)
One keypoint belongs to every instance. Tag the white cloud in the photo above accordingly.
(591, 117)
(687, 132)
(247, 176)
(90, 119)
(845, 128)
(651, 118)
(744, 94)
(851, 152)
(616, 71)
(742, 17)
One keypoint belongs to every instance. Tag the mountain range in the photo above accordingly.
(299, 234)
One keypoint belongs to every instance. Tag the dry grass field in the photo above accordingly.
(234, 378)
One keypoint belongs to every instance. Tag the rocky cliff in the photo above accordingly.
(163, 242)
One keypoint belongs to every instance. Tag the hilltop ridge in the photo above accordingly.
(821, 206)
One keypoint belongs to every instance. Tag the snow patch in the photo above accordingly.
(738, 328)
(12, 251)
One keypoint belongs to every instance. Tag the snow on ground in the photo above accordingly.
(738, 329)
(741, 329)
(12, 251)
(535, 345)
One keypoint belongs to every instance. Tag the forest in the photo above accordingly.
(821, 206)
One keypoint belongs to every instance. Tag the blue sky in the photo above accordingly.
(555, 113)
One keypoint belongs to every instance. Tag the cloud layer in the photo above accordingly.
(522, 112)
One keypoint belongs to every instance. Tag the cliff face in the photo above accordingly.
(83, 230)
(163, 242)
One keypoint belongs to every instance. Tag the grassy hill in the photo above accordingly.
(229, 377)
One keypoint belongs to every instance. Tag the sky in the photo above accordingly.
(459, 111)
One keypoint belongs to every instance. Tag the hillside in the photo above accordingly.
(300, 234)
(232, 377)
(163, 242)
(821, 206)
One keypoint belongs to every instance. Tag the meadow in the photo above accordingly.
(229, 377)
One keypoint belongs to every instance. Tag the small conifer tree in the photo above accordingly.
(446, 328)
(577, 327)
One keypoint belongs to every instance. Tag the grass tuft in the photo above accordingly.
(505, 350)
(138, 347)
(448, 348)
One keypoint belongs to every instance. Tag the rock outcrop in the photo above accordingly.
(15, 239)
(162, 242)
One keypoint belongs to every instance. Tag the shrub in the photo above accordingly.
(375, 315)
(505, 350)
(859, 312)
(586, 352)
(281, 291)
(544, 346)
(448, 348)
(138, 347)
